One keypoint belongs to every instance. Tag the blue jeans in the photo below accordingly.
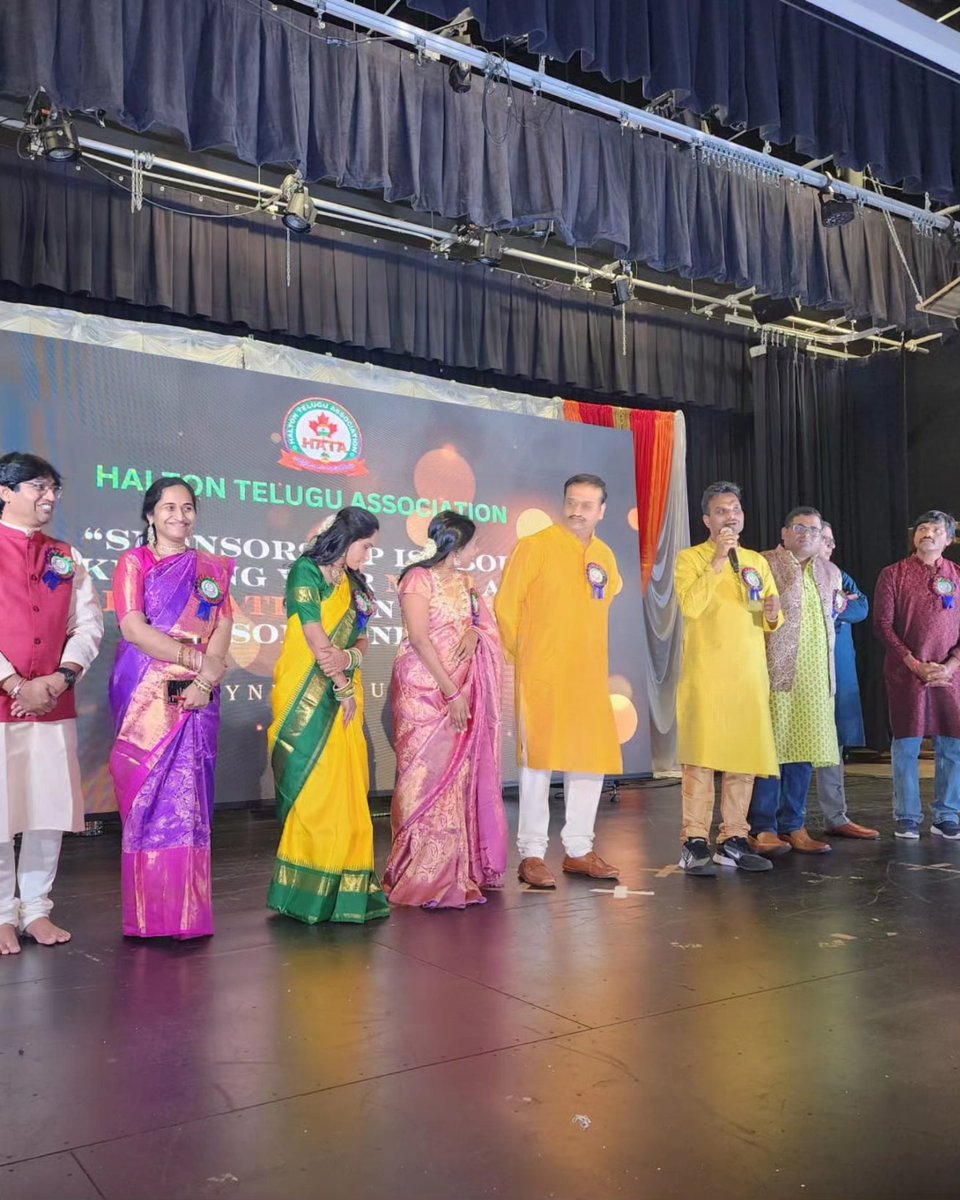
(904, 754)
(780, 805)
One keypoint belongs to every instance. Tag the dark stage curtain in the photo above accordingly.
(271, 88)
(762, 64)
(77, 235)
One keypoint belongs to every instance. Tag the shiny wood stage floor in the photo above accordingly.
(783, 1035)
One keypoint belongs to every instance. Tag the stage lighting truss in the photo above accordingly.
(466, 241)
(50, 132)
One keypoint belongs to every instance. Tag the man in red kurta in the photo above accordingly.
(916, 614)
(50, 632)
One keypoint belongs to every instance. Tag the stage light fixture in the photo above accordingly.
(622, 291)
(491, 248)
(835, 210)
(300, 210)
(52, 132)
(768, 311)
(460, 77)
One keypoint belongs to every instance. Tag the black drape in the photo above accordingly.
(269, 87)
(763, 64)
(76, 234)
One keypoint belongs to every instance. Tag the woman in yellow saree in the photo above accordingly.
(325, 869)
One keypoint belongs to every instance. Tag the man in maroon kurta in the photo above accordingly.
(916, 614)
(50, 632)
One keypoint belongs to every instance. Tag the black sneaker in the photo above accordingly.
(736, 852)
(946, 829)
(695, 857)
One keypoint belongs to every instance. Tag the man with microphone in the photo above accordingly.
(729, 601)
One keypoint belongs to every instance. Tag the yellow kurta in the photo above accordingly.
(723, 701)
(554, 631)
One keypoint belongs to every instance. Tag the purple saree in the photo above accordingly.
(449, 827)
(163, 758)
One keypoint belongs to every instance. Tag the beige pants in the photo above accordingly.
(735, 794)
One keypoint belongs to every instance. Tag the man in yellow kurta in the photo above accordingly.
(728, 602)
(552, 608)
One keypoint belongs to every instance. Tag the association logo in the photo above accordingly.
(320, 435)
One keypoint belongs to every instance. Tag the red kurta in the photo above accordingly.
(909, 617)
(35, 616)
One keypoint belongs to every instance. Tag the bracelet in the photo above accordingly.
(450, 699)
(346, 693)
(16, 691)
(354, 659)
(204, 684)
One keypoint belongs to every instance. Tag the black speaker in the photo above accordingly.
(769, 311)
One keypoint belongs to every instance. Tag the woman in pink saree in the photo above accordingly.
(172, 603)
(449, 827)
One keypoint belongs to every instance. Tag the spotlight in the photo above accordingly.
(52, 132)
(460, 77)
(300, 207)
(58, 141)
(491, 248)
(768, 311)
(623, 285)
(835, 210)
(622, 291)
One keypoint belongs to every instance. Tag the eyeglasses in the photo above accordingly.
(829, 542)
(42, 486)
(806, 530)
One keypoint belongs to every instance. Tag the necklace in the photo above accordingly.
(332, 573)
(169, 551)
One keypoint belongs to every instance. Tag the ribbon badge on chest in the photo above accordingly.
(945, 589)
(839, 602)
(57, 568)
(753, 582)
(474, 607)
(597, 578)
(210, 594)
(364, 606)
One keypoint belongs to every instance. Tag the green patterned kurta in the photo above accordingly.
(804, 725)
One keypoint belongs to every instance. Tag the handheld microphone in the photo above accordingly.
(734, 560)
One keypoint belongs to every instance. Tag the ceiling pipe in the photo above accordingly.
(179, 174)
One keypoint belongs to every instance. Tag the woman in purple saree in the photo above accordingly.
(449, 827)
(172, 603)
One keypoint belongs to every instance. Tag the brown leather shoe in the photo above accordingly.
(768, 844)
(803, 843)
(590, 864)
(850, 829)
(533, 871)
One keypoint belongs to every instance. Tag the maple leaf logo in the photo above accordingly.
(323, 427)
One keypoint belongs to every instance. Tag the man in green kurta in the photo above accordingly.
(802, 685)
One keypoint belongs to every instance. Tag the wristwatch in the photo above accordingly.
(69, 674)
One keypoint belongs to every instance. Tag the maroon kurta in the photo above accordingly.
(34, 622)
(910, 618)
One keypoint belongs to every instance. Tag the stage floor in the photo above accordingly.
(790, 1034)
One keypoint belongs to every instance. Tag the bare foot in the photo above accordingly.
(9, 942)
(44, 931)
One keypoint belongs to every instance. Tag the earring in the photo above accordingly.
(457, 561)
(151, 534)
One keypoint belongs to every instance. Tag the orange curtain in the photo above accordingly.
(653, 461)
